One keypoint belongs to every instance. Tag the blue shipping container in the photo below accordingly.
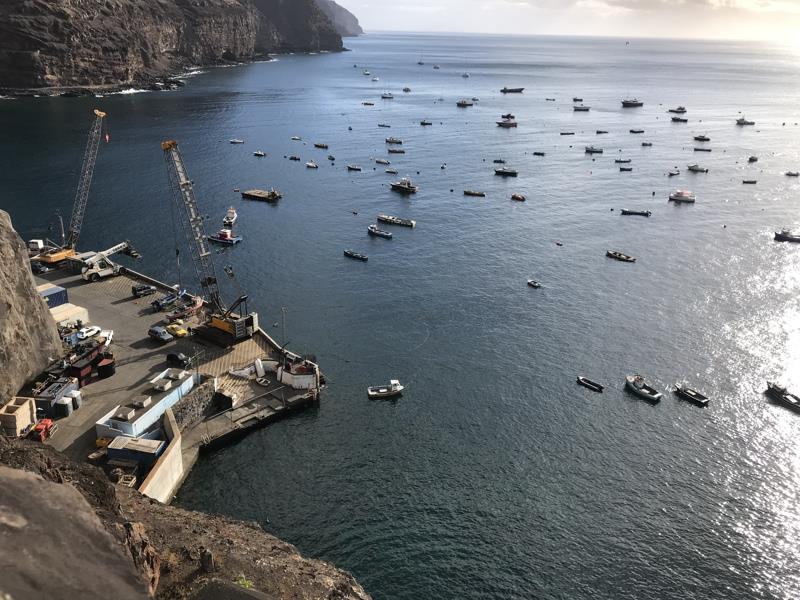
(54, 296)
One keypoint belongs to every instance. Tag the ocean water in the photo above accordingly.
(494, 476)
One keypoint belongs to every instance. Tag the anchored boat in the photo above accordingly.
(786, 236)
(356, 255)
(690, 394)
(508, 90)
(374, 230)
(780, 394)
(230, 217)
(638, 213)
(474, 193)
(632, 103)
(506, 172)
(589, 384)
(534, 284)
(620, 256)
(225, 236)
(392, 390)
(404, 186)
(638, 385)
(684, 196)
(593, 150)
(392, 220)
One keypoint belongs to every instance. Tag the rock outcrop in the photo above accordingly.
(28, 336)
(103, 44)
(345, 22)
(166, 546)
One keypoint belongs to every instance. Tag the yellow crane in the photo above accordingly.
(56, 255)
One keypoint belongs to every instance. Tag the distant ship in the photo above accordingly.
(508, 90)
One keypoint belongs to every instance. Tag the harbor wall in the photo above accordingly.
(195, 406)
(167, 474)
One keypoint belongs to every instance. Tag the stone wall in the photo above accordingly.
(28, 335)
(195, 406)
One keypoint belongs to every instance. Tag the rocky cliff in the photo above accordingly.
(132, 536)
(90, 43)
(345, 22)
(28, 336)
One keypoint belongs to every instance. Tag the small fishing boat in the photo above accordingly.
(793, 173)
(679, 110)
(406, 90)
(752, 159)
(436, 67)
(636, 131)
(505, 172)
(507, 116)
(593, 150)
(465, 75)
(377, 232)
(638, 213)
(404, 186)
(356, 255)
(506, 123)
(396, 151)
(673, 173)
(638, 385)
(779, 393)
(679, 120)
(697, 169)
(786, 235)
(742, 121)
(392, 220)
(749, 181)
(365, 73)
(620, 256)
(382, 161)
(312, 165)
(702, 138)
(376, 79)
(391, 171)
(392, 390)
(538, 153)
(647, 144)
(331, 157)
(225, 236)
(508, 90)
(567, 133)
(259, 153)
(576, 99)
(236, 141)
(474, 193)
(534, 284)
(387, 96)
(702, 149)
(297, 158)
(518, 197)
(464, 103)
(384, 125)
(550, 99)
(296, 138)
(425, 122)
(321, 146)
(353, 168)
(622, 161)
(581, 108)
(691, 394)
(684, 196)
(368, 103)
(600, 132)
(230, 217)
(393, 140)
(632, 103)
(499, 161)
(625, 169)
(589, 384)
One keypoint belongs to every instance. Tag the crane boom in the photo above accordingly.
(85, 181)
(183, 194)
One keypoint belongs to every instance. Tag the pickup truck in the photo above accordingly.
(139, 291)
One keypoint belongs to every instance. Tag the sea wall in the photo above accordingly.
(167, 474)
(195, 406)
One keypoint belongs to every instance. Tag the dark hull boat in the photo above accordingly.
(392, 220)
(786, 236)
(781, 395)
(374, 230)
(638, 213)
(637, 385)
(508, 90)
(626, 169)
(505, 172)
(690, 394)
(356, 255)
(620, 256)
(589, 384)
(474, 193)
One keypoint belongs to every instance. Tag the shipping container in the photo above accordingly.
(54, 296)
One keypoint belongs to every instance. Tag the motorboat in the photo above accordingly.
(793, 173)
(538, 153)
(637, 130)
(376, 79)
(393, 140)
(638, 385)
(507, 116)
(230, 217)
(673, 172)
(368, 103)
(567, 133)
(259, 153)
(679, 120)
(625, 169)
(312, 165)
(365, 73)
(396, 151)
(749, 181)
(392, 390)
(507, 123)
(392, 220)
(225, 236)
(387, 96)
(534, 284)
(404, 186)
(425, 122)
(505, 172)
(508, 90)
(465, 75)
(702, 149)
(293, 157)
(331, 157)
(647, 144)
(474, 193)
(684, 196)
(680, 110)
(702, 138)
(518, 197)
(752, 159)
(464, 103)
(436, 67)
(581, 108)
(589, 384)
(697, 169)
(353, 168)
(742, 121)
(638, 213)
(384, 125)
(600, 132)
(691, 394)
(622, 161)
(779, 393)
(236, 141)
(377, 232)
(576, 99)
(356, 255)
(321, 146)
(785, 235)
(406, 90)
(620, 256)
(391, 171)
(632, 103)
(593, 150)
(382, 161)
(499, 161)
(296, 138)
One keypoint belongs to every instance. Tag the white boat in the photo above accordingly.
(230, 217)
(236, 141)
(312, 165)
(387, 96)
(296, 138)
(376, 79)
(465, 75)
(259, 153)
(637, 385)
(381, 161)
(386, 391)
(225, 236)
(404, 186)
(682, 196)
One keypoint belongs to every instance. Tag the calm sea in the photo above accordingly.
(495, 476)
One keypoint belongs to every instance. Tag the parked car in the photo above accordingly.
(162, 303)
(88, 332)
(157, 332)
(39, 269)
(143, 290)
(179, 359)
(177, 330)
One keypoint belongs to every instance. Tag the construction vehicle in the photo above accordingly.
(43, 430)
(67, 248)
(99, 266)
(224, 325)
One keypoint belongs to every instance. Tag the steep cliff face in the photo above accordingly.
(85, 43)
(345, 22)
(28, 336)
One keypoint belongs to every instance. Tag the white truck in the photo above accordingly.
(99, 266)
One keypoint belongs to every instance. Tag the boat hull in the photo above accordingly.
(691, 395)
(645, 392)
(589, 384)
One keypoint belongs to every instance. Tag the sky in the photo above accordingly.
(774, 20)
